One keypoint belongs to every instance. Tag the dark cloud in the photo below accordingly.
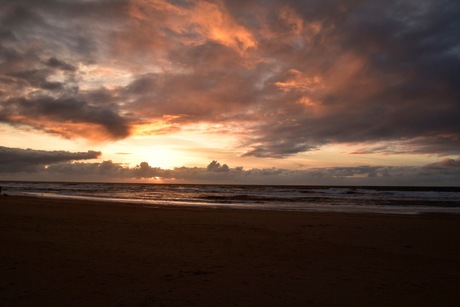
(442, 173)
(215, 166)
(450, 164)
(391, 68)
(106, 170)
(45, 42)
(36, 28)
(36, 78)
(63, 111)
(13, 160)
(56, 63)
(279, 149)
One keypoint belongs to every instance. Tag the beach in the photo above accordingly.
(58, 252)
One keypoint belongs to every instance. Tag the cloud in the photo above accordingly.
(23, 164)
(193, 24)
(215, 166)
(441, 145)
(378, 79)
(40, 63)
(68, 117)
(296, 75)
(56, 63)
(13, 160)
(448, 164)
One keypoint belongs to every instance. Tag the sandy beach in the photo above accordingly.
(79, 253)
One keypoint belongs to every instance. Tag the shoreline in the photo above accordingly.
(415, 207)
(74, 252)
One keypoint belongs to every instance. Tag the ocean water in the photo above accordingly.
(390, 200)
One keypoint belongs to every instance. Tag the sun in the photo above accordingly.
(190, 145)
(159, 156)
(155, 155)
(161, 151)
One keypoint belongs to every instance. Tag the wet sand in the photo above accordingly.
(79, 253)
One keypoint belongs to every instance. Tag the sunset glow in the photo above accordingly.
(310, 89)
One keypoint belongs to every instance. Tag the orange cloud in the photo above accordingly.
(299, 81)
(68, 130)
(205, 21)
(216, 24)
(297, 25)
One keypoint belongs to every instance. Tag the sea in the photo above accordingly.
(352, 199)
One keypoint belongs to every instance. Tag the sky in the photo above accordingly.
(230, 91)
